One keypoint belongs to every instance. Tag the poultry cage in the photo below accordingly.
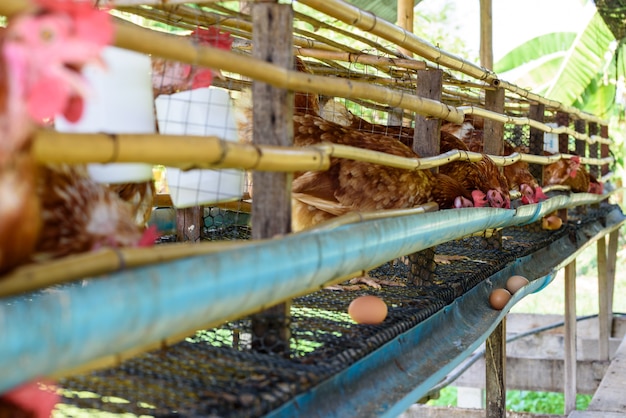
(232, 313)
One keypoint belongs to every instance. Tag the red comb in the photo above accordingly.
(150, 235)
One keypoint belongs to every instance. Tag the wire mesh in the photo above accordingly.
(219, 372)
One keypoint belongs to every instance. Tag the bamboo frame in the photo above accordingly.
(39, 275)
(477, 111)
(361, 58)
(189, 152)
(179, 151)
(368, 22)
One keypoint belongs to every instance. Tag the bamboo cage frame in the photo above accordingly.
(368, 22)
(211, 152)
(311, 83)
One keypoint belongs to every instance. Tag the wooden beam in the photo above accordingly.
(611, 262)
(426, 144)
(538, 374)
(495, 372)
(604, 149)
(536, 112)
(562, 119)
(604, 315)
(189, 224)
(570, 338)
(426, 134)
(609, 400)
(273, 125)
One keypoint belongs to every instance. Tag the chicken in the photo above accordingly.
(338, 113)
(473, 186)
(52, 211)
(81, 215)
(482, 177)
(19, 205)
(518, 175)
(354, 185)
(567, 173)
(140, 197)
(172, 76)
(595, 186)
(35, 399)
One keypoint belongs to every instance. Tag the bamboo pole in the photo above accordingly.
(368, 22)
(473, 110)
(173, 150)
(211, 152)
(486, 34)
(362, 58)
(173, 47)
(405, 20)
(44, 274)
(159, 44)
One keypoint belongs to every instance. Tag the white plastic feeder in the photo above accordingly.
(206, 111)
(121, 101)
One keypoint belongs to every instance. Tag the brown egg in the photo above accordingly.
(498, 298)
(367, 310)
(551, 223)
(515, 283)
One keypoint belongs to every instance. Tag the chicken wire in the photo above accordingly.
(220, 373)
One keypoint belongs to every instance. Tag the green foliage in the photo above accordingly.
(553, 44)
(520, 401)
(541, 402)
(575, 69)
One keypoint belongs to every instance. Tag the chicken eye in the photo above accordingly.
(46, 34)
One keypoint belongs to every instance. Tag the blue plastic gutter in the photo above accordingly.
(389, 380)
(65, 327)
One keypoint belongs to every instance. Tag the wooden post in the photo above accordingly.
(593, 130)
(604, 149)
(493, 132)
(493, 144)
(536, 112)
(604, 316)
(581, 146)
(569, 377)
(189, 224)
(562, 119)
(426, 135)
(611, 261)
(426, 144)
(495, 372)
(273, 125)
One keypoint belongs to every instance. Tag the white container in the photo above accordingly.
(205, 111)
(120, 101)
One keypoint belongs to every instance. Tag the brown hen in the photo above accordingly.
(482, 175)
(482, 186)
(80, 215)
(567, 173)
(140, 197)
(19, 205)
(353, 185)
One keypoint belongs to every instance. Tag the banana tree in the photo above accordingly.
(580, 69)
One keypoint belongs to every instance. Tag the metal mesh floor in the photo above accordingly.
(217, 373)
